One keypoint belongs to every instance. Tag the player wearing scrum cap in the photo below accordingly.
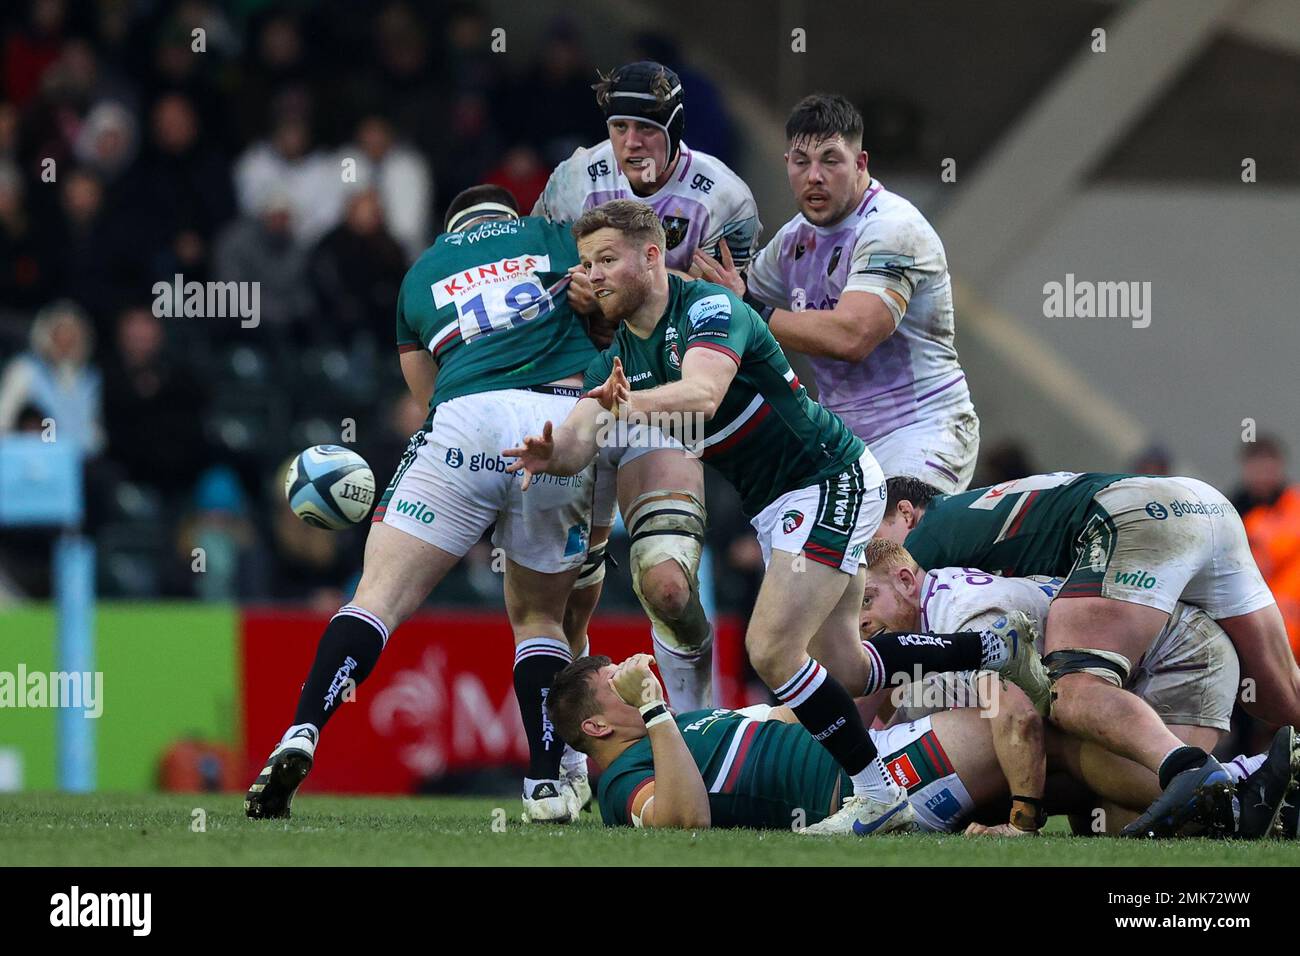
(858, 281)
(702, 205)
(487, 338)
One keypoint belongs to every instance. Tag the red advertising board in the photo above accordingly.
(441, 699)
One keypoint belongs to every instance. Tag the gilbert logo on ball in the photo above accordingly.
(329, 486)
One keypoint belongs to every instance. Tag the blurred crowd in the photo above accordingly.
(307, 146)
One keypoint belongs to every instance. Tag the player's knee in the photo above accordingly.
(665, 588)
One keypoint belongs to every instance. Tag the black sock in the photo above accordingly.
(897, 654)
(1178, 760)
(347, 651)
(827, 712)
(537, 661)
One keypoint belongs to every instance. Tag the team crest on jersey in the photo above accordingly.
(675, 228)
(835, 259)
(674, 359)
(791, 520)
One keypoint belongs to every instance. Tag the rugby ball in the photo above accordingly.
(329, 486)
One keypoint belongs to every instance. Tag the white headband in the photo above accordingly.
(479, 209)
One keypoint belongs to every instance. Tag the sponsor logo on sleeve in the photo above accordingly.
(710, 314)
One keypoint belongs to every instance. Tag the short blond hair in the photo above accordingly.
(885, 555)
(635, 220)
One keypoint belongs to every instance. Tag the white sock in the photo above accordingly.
(873, 781)
(688, 678)
(1240, 767)
(297, 727)
(573, 761)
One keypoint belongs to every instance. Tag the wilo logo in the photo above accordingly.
(55, 689)
(75, 908)
(209, 300)
(1098, 300)
(679, 430)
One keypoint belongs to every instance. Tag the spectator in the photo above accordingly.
(151, 405)
(401, 178)
(521, 172)
(1004, 462)
(220, 526)
(261, 248)
(287, 166)
(561, 78)
(29, 53)
(356, 272)
(56, 378)
(24, 281)
(1269, 506)
(1153, 460)
(106, 142)
(181, 190)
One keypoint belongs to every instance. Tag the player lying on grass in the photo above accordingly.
(810, 487)
(703, 205)
(488, 341)
(758, 767)
(1188, 676)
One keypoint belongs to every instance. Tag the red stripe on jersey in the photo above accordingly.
(731, 440)
(409, 347)
(1015, 525)
(717, 348)
(631, 799)
(794, 384)
(449, 337)
(733, 776)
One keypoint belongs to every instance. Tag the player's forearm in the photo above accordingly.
(680, 799)
(1018, 741)
(575, 447)
(826, 333)
(688, 396)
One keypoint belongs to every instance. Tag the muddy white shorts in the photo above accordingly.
(1156, 541)
(940, 451)
(1191, 674)
(452, 485)
(829, 522)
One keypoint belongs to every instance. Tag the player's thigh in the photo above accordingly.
(795, 598)
(536, 601)
(1103, 624)
(398, 573)
(837, 644)
(1270, 678)
(645, 471)
(967, 742)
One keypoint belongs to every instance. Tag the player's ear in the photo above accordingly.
(597, 727)
(861, 160)
(652, 253)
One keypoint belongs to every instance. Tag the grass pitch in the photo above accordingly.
(162, 830)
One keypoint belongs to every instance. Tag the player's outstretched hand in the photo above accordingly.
(1001, 830)
(615, 391)
(723, 270)
(635, 683)
(533, 456)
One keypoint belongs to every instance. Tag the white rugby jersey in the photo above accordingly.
(964, 599)
(885, 245)
(701, 203)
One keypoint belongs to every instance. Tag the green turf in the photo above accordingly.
(144, 829)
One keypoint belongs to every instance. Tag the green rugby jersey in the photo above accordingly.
(1026, 526)
(759, 773)
(767, 437)
(481, 302)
